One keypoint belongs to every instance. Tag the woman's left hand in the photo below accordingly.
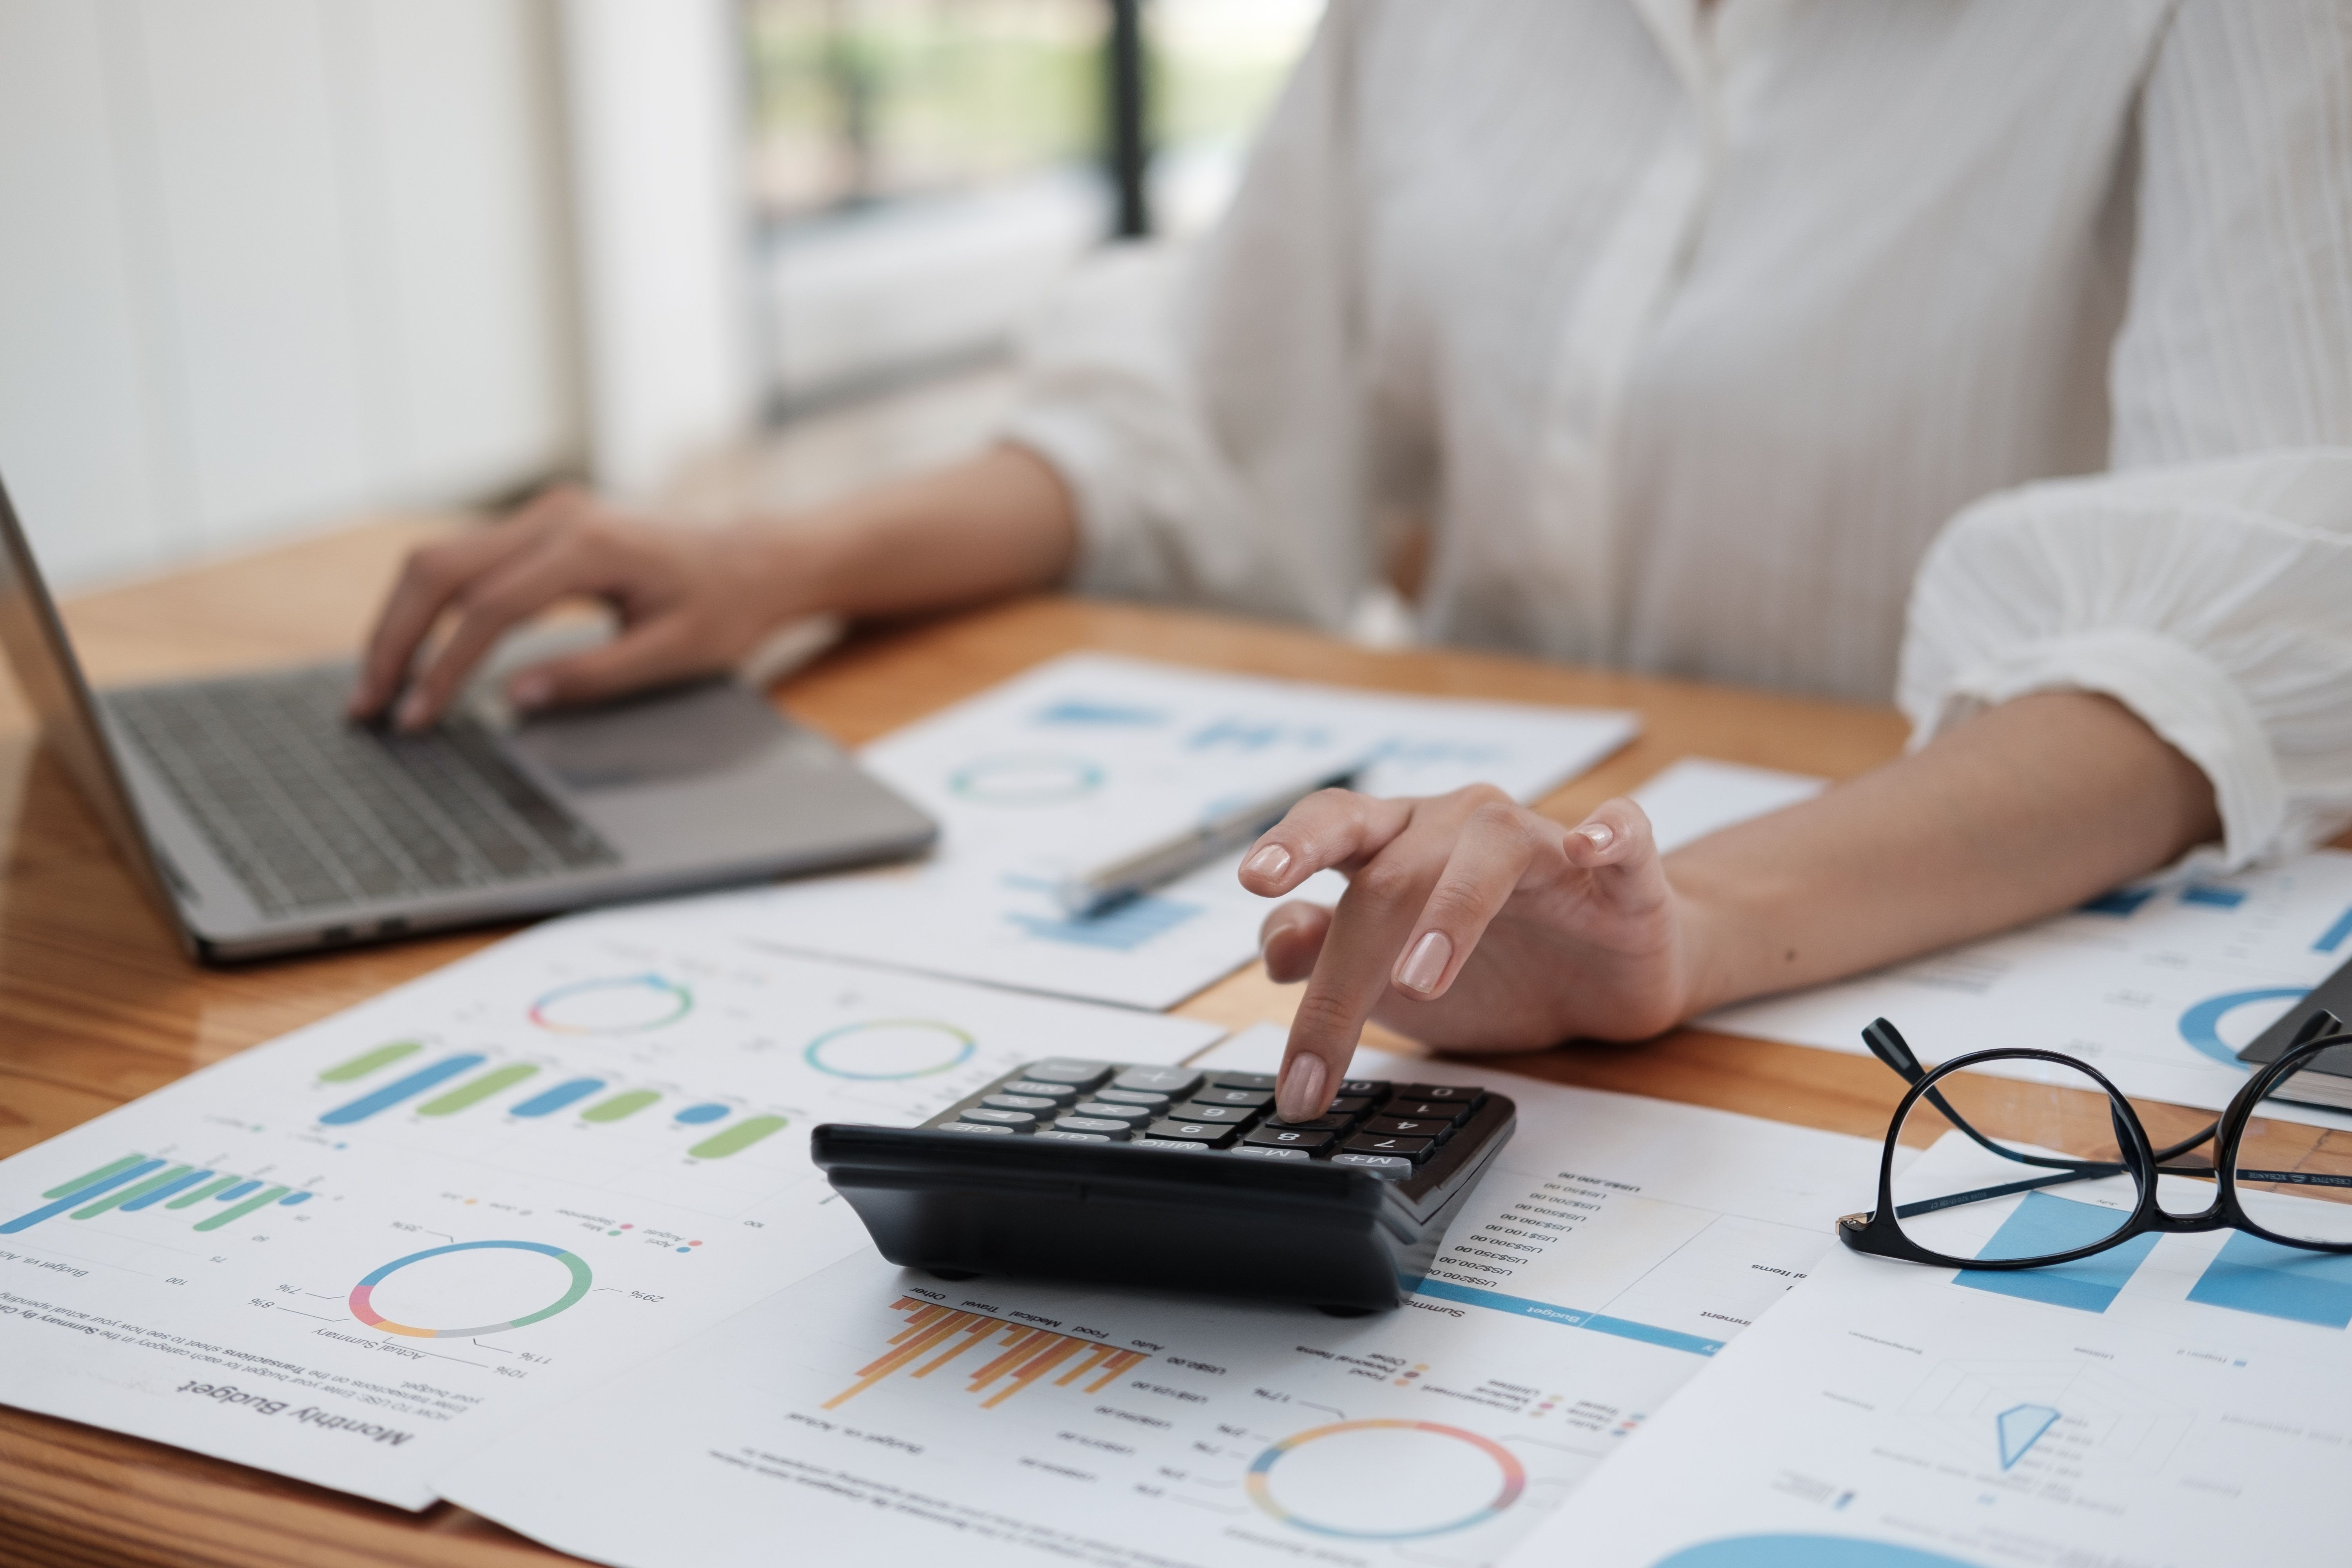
(1469, 921)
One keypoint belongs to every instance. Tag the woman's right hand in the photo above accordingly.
(691, 601)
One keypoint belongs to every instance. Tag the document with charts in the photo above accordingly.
(2183, 1400)
(885, 1416)
(352, 1254)
(1090, 756)
(2158, 987)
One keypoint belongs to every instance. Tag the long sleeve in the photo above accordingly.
(1206, 407)
(2206, 580)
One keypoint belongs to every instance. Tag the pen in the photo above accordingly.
(1091, 891)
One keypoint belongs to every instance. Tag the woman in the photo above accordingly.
(1696, 337)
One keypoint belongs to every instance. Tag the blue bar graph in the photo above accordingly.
(695, 1115)
(237, 1191)
(2212, 897)
(290, 1199)
(2043, 1225)
(550, 1101)
(2332, 937)
(144, 1199)
(26, 1222)
(2251, 1274)
(2122, 903)
(408, 1088)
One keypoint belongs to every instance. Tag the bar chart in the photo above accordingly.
(137, 1182)
(595, 1108)
(935, 1336)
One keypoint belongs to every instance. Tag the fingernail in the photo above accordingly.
(1599, 835)
(531, 690)
(1425, 964)
(411, 712)
(1270, 862)
(1301, 1096)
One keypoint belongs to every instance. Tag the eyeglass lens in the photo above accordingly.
(2043, 1174)
(2275, 1148)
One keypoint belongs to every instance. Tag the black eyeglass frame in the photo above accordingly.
(1879, 1233)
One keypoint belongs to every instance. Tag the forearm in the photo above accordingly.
(2023, 811)
(999, 524)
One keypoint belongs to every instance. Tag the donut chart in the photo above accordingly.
(1385, 1479)
(362, 1294)
(887, 1050)
(2202, 1025)
(613, 1005)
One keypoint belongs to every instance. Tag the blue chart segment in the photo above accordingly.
(2251, 1274)
(1568, 1317)
(2332, 937)
(2043, 1225)
(547, 1102)
(2021, 1427)
(407, 1088)
(2211, 898)
(1122, 928)
(2123, 903)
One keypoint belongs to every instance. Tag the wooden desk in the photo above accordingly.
(98, 1006)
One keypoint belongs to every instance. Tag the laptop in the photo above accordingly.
(262, 821)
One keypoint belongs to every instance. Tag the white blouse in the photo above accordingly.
(1701, 341)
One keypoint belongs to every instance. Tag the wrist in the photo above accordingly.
(1726, 939)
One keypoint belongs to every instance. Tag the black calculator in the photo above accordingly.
(1181, 1178)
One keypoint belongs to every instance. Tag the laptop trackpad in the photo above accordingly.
(668, 736)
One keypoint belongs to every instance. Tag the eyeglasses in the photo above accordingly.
(2090, 1174)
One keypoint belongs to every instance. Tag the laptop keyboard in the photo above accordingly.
(309, 810)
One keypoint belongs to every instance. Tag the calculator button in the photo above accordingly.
(1377, 1164)
(1173, 1082)
(1367, 1087)
(1376, 1144)
(1134, 1097)
(1468, 1094)
(1056, 1092)
(1010, 1118)
(1350, 1105)
(1102, 1126)
(1243, 1079)
(1059, 1136)
(1309, 1139)
(1209, 1132)
(974, 1126)
(1317, 1124)
(1019, 1102)
(1125, 1115)
(1260, 1152)
(1079, 1075)
(1226, 1115)
(1409, 1127)
(1249, 1097)
(1435, 1109)
(1186, 1144)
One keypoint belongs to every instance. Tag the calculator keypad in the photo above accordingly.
(1384, 1128)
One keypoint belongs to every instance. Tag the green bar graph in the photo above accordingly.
(620, 1105)
(188, 1198)
(742, 1135)
(140, 1189)
(367, 1062)
(79, 1182)
(261, 1199)
(476, 1089)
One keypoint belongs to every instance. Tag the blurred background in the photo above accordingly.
(271, 264)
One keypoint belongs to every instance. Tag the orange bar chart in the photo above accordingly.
(1025, 1354)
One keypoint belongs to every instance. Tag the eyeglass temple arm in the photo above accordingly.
(1887, 1044)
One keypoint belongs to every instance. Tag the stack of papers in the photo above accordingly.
(890, 1416)
(358, 1252)
(1088, 757)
